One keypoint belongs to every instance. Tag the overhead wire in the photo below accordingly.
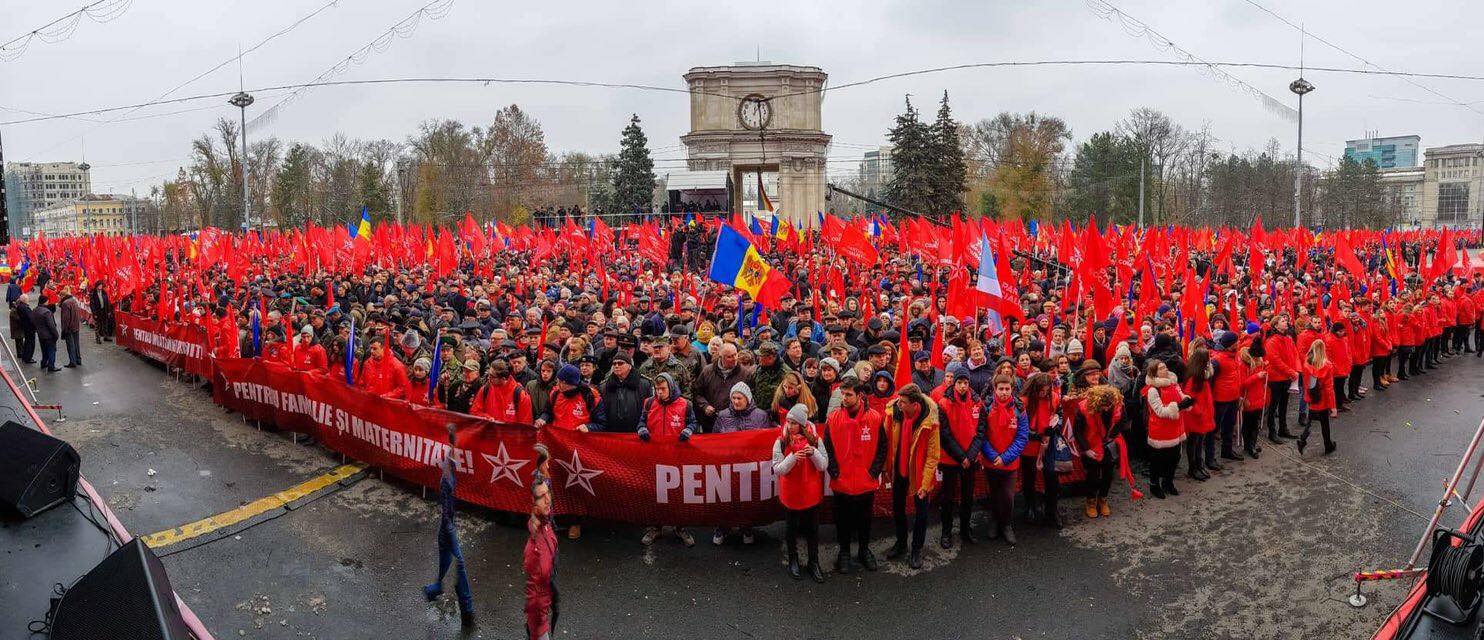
(62, 28)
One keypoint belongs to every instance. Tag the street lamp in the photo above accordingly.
(242, 101)
(1300, 87)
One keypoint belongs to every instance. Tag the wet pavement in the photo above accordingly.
(1263, 550)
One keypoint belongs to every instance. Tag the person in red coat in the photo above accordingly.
(1254, 398)
(1098, 420)
(669, 417)
(1226, 392)
(1280, 358)
(1200, 420)
(418, 383)
(309, 356)
(381, 374)
(1381, 347)
(502, 398)
(274, 347)
(1337, 346)
(798, 463)
(855, 444)
(539, 561)
(1042, 402)
(1321, 397)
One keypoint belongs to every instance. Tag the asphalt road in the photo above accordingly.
(1263, 550)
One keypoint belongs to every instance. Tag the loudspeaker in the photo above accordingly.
(125, 597)
(37, 471)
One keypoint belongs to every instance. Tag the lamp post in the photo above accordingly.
(242, 101)
(1300, 87)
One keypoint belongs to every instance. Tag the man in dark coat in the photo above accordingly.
(23, 330)
(102, 307)
(713, 388)
(71, 316)
(624, 393)
(45, 319)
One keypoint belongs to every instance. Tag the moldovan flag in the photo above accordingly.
(993, 285)
(735, 262)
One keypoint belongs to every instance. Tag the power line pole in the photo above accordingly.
(4, 211)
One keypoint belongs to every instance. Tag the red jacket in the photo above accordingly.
(1006, 432)
(1201, 418)
(508, 402)
(1323, 373)
(1039, 420)
(1227, 385)
(1338, 350)
(1306, 340)
(417, 393)
(539, 562)
(1166, 429)
(385, 376)
(1281, 357)
(1254, 388)
(570, 412)
(802, 485)
(1380, 330)
(311, 359)
(666, 420)
(856, 445)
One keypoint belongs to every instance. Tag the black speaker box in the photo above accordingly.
(125, 597)
(37, 471)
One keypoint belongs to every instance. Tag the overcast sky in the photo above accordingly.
(157, 44)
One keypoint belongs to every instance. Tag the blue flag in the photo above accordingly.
(437, 366)
(350, 354)
(257, 333)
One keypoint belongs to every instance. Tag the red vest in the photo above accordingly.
(854, 439)
(570, 412)
(665, 419)
(1004, 424)
(1165, 429)
(1227, 385)
(507, 402)
(963, 417)
(311, 358)
(803, 486)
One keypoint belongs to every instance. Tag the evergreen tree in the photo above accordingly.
(633, 183)
(1104, 180)
(949, 169)
(912, 179)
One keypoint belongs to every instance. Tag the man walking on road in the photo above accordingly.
(448, 540)
(45, 319)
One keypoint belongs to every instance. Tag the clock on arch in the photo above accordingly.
(754, 112)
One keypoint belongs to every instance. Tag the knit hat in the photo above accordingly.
(569, 374)
(624, 358)
(799, 414)
(1122, 350)
(307, 330)
(411, 339)
(742, 388)
(425, 363)
(1225, 340)
(959, 370)
(1253, 327)
(825, 362)
(1075, 346)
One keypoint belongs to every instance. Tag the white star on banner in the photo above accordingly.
(505, 466)
(579, 475)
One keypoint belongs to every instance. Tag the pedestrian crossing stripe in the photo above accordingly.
(282, 499)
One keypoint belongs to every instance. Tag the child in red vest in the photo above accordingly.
(799, 461)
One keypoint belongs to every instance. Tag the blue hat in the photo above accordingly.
(569, 374)
(1253, 327)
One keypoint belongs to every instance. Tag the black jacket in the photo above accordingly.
(46, 323)
(624, 400)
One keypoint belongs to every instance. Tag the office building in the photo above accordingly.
(1387, 153)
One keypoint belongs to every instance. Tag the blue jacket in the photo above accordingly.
(1022, 435)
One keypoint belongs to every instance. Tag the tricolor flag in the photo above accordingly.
(736, 263)
(363, 230)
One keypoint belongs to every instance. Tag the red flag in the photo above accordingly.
(903, 374)
(1120, 333)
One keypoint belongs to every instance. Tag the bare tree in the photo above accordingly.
(1161, 139)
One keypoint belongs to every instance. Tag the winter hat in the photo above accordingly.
(569, 374)
(412, 339)
(1122, 350)
(1089, 366)
(471, 365)
(826, 362)
(307, 330)
(1337, 327)
(425, 363)
(1253, 327)
(959, 370)
(1225, 340)
(1075, 346)
(624, 358)
(799, 414)
(742, 388)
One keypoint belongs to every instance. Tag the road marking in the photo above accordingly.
(282, 499)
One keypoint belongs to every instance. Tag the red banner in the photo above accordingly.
(182, 346)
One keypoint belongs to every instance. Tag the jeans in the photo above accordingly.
(1226, 424)
(853, 521)
(956, 479)
(900, 488)
(49, 354)
(804, 521)
(1001, 495)
(74, 348)
(1277, 415)
(448, 551)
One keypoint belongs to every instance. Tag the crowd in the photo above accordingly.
(872, 375)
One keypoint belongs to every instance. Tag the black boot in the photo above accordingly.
(1329, 447)
(1252, 453)
(466, 618)
(1156, 490)
(915, 560)
(868, 560)
(793, 566)
(967, 535)
(1286, 435)
(816, 572)
(897, 550)
(1169, 486)
(946, 541)
(843, 565)
(1302, 442)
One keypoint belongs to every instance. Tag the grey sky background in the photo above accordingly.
(158, 44)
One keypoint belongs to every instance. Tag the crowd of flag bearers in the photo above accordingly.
(943, 365)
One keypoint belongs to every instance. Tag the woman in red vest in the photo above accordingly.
(1200, 421)
(667, 416)
(962, 414)
(798, 462)
(1321, 396)
(1006, 432)
(1097, 421)
(855, 443)
(1042, 402)
(1166, 430)
(1254, 398)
